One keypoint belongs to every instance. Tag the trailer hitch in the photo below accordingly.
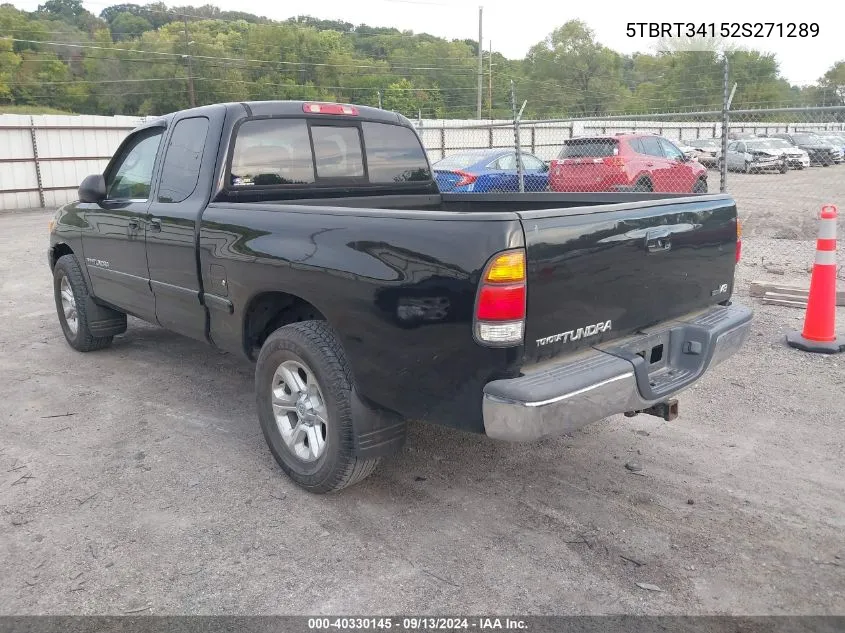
(667, 410)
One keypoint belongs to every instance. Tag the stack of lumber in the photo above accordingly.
(786, 295)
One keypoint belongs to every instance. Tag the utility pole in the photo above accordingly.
(191, 96)
(379, 100)
(480, 61)
(490, 81)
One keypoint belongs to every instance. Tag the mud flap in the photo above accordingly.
(378, 432)
(103, 321)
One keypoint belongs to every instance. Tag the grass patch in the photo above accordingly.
(30, 109)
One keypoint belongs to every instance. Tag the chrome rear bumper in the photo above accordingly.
(551, 399)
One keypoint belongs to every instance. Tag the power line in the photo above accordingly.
(231, 59)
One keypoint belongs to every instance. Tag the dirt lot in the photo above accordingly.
(136, 479)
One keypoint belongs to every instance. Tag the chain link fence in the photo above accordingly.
(684, 152)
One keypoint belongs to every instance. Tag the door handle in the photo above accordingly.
(155, 225)
(134, 224)
(649, 164)
(658, 240)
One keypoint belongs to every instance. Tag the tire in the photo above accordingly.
(643, 186)
(71, 296)
(700, 186)
(327, 462)
(784, 168)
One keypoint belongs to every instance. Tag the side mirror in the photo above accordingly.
(93, 189)
(545, 168)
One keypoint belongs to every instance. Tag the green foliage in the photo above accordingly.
(139, 59)
(128, 25)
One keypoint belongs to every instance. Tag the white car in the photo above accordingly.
(689, 152)
(755, 155)
(796, 157)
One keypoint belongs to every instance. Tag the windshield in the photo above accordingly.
(588, 147)
(766, 144)
(806, 138)
(779, 143)
(707, 142)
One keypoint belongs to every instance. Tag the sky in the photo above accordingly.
(513, 27)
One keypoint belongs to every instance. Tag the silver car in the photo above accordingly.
(708, 150)
(796, 157)
(755, 155)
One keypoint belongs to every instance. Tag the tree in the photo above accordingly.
(9, 64)
(834, 81)
(127, 26)
(573, 73)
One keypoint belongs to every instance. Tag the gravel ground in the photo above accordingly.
(136, 479)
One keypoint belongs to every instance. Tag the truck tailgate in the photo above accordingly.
(595, 274)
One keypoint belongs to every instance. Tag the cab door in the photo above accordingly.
(114, 246)
(183, 192)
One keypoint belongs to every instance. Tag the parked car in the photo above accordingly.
(838, 142)
(819, 151)
(796, 158)
(312, 239)
(708, 150)
(489, 171)
(625, 162)
(755, 155)
(689, 152)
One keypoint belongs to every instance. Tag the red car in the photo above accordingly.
(626, 162)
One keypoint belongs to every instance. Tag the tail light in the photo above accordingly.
(738, 239)
(466, 179)
(500, 305)
(614, 161)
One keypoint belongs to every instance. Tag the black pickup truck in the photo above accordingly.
(312, 239)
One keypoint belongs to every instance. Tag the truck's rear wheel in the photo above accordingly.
(303, 386)
(71, 295)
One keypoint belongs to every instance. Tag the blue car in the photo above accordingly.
(489, 171)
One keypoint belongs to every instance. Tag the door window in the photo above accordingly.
(651, 146)
(740, 147)
(506, 162)
(131, 176)
(181, 170)
(671, 152)
(532, 163)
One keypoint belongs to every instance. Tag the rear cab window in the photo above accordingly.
(282, 152)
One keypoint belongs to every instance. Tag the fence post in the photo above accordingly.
(490, 137)
(442, 139)
(37, 163)
(723, 169)
(520, 172)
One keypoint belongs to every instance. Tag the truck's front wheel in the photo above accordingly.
(303, 385)
(71, 295)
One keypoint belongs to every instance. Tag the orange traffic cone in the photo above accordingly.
(819, 334)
